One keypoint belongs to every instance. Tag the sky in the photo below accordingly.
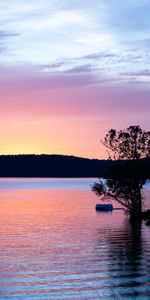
(69, 71)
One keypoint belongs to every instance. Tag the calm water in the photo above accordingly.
(54, 245)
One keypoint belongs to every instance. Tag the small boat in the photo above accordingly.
(104, 207)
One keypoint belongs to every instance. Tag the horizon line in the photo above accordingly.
(51, 154)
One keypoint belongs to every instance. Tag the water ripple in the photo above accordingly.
(55, 246)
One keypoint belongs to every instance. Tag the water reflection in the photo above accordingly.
(128, 264)
(53, 245)
(13, 184)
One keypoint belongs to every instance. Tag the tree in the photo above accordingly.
(132, 143)
(126, 147)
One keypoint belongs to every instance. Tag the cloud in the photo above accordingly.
(54, 65)
(3, 48)
(138, 73)
(4, 40)
(37, 80)
(100, 55)
(77, 37)
(85, 69)
(6, 34)
(30, 96)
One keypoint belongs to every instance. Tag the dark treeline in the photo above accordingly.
(129, 169)
(62, 166)
(51, 166)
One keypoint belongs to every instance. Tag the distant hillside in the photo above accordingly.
(62, 166)
(51, 166)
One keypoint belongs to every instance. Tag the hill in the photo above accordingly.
(51, 166)
(65, 166)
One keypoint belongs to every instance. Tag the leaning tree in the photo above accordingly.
(125, 148)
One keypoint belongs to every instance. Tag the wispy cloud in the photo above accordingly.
(5, 37)
(103, 37)
(6, 34)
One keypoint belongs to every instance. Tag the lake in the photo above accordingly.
(54, 245)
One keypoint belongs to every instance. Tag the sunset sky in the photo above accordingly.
(69, 71)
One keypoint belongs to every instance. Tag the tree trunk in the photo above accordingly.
(136, 211)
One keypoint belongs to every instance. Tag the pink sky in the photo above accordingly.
(65, 114)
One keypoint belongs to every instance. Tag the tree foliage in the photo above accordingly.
(131, 143)
(126, 192)
(125, 185)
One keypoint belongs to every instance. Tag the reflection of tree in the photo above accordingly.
(127, 246)
(125, 257)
